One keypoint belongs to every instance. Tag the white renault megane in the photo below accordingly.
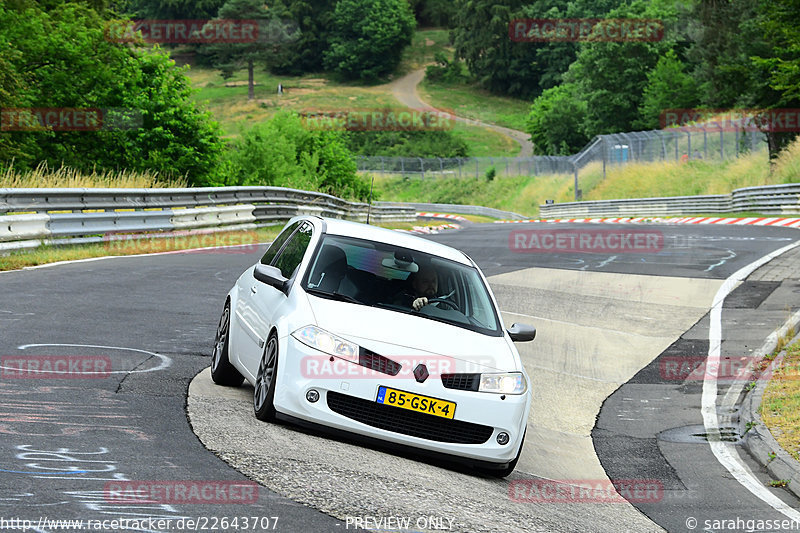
(380, 334)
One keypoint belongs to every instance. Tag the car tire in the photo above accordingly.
(222, 371)
(264, 393)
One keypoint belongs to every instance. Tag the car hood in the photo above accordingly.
(392, 333)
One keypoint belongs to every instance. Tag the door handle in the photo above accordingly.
(253, 289)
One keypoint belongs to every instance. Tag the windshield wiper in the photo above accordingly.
(334, 296)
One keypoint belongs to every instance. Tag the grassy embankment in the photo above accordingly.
(228, 103)
(780, 405)
(523, 194)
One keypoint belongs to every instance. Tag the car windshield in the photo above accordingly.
(390, 277)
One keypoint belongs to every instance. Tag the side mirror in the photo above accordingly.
(521, 332)
(271, 276)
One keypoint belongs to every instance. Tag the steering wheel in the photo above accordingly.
(442, 300)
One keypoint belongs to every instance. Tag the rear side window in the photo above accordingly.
(292, 254)
(276, 245)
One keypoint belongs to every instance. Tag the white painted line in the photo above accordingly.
(89, 259)
(165, 361)
(725, 452)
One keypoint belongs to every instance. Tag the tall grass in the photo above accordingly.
(524, 194)
(44, 176)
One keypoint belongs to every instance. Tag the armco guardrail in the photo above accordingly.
(770, 199)
(31, 217)
(456, 208)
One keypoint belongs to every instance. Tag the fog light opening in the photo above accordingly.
(503, 438)
(312, 396)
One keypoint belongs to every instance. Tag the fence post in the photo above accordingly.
(689, 144)
(422, 167)
(705, 143)
(575, 168)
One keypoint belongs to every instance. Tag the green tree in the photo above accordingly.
(272, 33)
(171, 9)
(306, 52)
(778, 21)
(556, 121)
(62, 59)
(368, 37)
(524, 69)
(612, 76)
(668, 87)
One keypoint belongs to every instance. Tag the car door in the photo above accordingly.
(265, 304)
(245, 341)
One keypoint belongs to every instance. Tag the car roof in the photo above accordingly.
(334, 226)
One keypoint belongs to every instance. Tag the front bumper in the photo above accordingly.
(347, 403)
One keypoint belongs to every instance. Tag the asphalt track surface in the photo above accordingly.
(66, 441)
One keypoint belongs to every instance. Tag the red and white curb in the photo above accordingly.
(442, 215)
(433, 229)
(752, 221)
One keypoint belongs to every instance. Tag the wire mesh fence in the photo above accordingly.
(674, 144)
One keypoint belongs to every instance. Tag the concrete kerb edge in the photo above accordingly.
(758, 440)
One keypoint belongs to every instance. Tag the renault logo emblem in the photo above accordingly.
(421, 373)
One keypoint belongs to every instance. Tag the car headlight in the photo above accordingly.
(329, 343)
(505, 383)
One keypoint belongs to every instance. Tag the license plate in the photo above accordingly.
(416, 402)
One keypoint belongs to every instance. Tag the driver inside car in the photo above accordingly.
(421, 285)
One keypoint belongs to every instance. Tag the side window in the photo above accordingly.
(275, 247)
(291, 256)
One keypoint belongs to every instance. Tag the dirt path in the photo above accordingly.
(405, 91)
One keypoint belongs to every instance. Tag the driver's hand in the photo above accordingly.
(419, 303)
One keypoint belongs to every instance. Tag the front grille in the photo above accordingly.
(461, 381)
(408, 422)
(378, 363)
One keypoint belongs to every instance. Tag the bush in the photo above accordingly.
(446, 71)
(281, 152)
(407, 144)
(556, 121)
